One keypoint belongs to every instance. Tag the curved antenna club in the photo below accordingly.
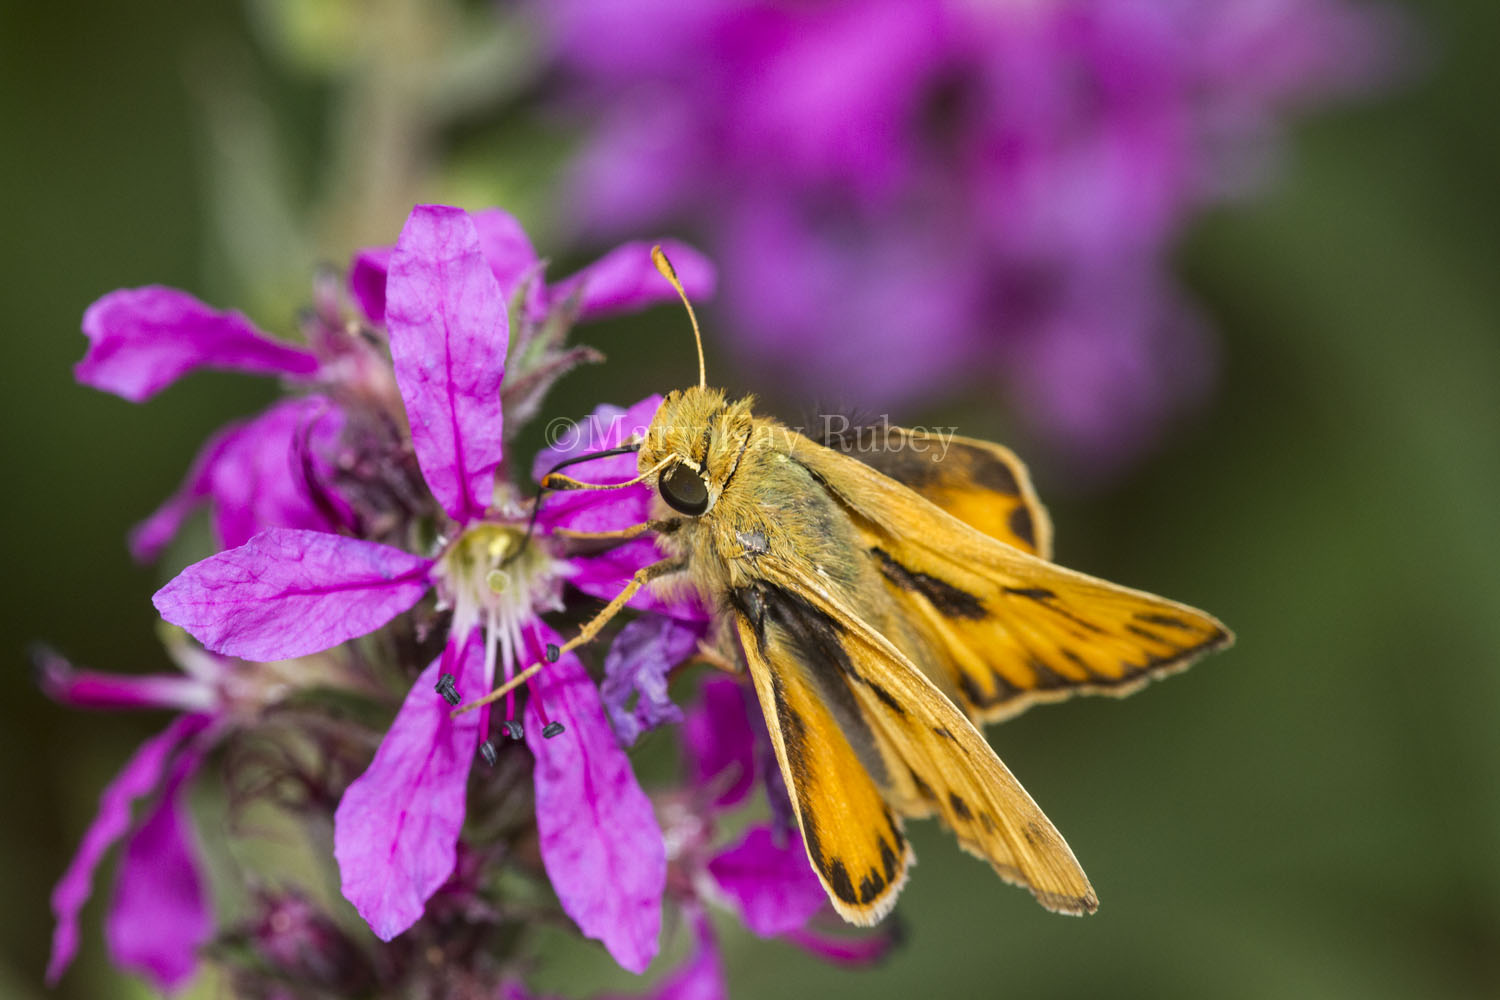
(670, 273)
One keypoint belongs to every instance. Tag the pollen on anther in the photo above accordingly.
(553, 729)
(446, 688)
(513, 729)
(487, 751)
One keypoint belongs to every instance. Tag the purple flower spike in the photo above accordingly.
(772, 886)
(626, 279)
(141, 340)
(288, 593)
(449, 333)
(395, 833)
(600, 841)
(160, 915)
(637, 664)
(140, 777)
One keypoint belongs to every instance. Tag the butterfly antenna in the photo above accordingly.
(670, 273)
(536, 504)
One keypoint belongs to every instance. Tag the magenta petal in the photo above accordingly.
(288, 593)
(143, 339)
(252, 474)
(605, 510)
(66, 684)
(773, 887)
(447, 320)
(637, 665)
(395, 833)
(852, 952)
(625, 279)
(260, 480)
(600, 841)
(604, 574)
(367, 274)
(720, 741)
(511, 257)
(702, 977)
(140, 776)
(160, 915)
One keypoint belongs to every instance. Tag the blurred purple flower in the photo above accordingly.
(290, 592)
(909, 199)
(160, 913)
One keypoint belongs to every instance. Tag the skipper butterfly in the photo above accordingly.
(884, 605)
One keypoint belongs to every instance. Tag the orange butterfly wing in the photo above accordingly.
(1010, 629)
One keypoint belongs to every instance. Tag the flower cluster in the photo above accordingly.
(989, 192)
(373, 535)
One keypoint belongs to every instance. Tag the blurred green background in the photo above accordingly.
(1315, 813)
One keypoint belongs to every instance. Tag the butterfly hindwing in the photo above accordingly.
(982, 484)
(833, 767)
(1011, 630)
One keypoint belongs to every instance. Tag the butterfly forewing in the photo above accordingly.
(1010, 629)
(854, 840)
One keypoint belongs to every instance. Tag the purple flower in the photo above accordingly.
(622, 280)
(765, 877)
(159, 916)
(255, 474)
(143, 339)
(313, 461)
(160, 913)
(289, 592)
(958, 194)
(637, 664)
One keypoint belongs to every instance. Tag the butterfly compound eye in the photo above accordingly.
(684, 491)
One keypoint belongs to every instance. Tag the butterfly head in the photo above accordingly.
(694, 443)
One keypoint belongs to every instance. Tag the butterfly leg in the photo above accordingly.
(717, 658)
(662, 527)
(585, 634)
(591, 628)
